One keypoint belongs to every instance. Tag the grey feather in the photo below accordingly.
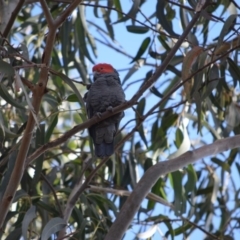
(105, 92)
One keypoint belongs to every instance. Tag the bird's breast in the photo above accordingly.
(105, 94)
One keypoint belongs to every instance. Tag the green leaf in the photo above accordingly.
(20, 194)
(40, 140)
(24, 51)
(190, 185)
(28, 217)
(54, 225)
(174, 70)
(163, 40)
(49, 208)
(168, 120)
(139, 113)
(213, 80)
(65, 32)
(147, 164)
(6, 68)
(179, 196)
(81, 30)
(234, 70)
(142, 49)
(182, 229)
(137, 29)
(4, 131)
(68, 81)
(140, 108)
(163, 18)
(29, 102)
(132, 12)
(179, 137)
(15, 234)
(223, 165)
(156, 190)
(155, 55)
(8, 98)
(142, 135)
(79, 65)
(107, 20)
(7, 174)
(156, 92)
(226, 28)
(72, 98)
(118, 6)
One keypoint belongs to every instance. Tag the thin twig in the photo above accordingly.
(53, 192)
(47, 13)
(58, 22)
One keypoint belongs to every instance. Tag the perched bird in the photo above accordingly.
(104, 93)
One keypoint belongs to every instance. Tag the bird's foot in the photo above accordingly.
(99, 115)
(110, 109)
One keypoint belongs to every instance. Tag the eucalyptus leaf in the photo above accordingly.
(8, 98)
(28, 217)
(6, 68)
(54, 225)
(142, 49)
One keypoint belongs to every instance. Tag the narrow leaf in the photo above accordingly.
(6, 68)
(7, 174)
(234, 70)
(27, 98)
(156, 92)
(51, 127)
(69, 82)
(142, 49)
(53, 226)
(118, 6)
(225, 30)
(8, 98)
(179, 196)
(162, 18)
(28, 217)
(223, 165)
(133, 11)
(137, 29)
(188, 62)
(213, 80)
(15, 234)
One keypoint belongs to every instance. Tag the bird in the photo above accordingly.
(104, 94)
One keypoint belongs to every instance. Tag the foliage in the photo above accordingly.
(178, 101)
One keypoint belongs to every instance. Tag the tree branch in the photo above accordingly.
(12, 18)
(47, 13)
(38, 93)
(141, 190)
(120, 192)
(66, 13)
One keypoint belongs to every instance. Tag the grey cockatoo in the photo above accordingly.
(105, 93)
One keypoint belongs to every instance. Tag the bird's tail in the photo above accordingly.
(104, 149)
(104, 140)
